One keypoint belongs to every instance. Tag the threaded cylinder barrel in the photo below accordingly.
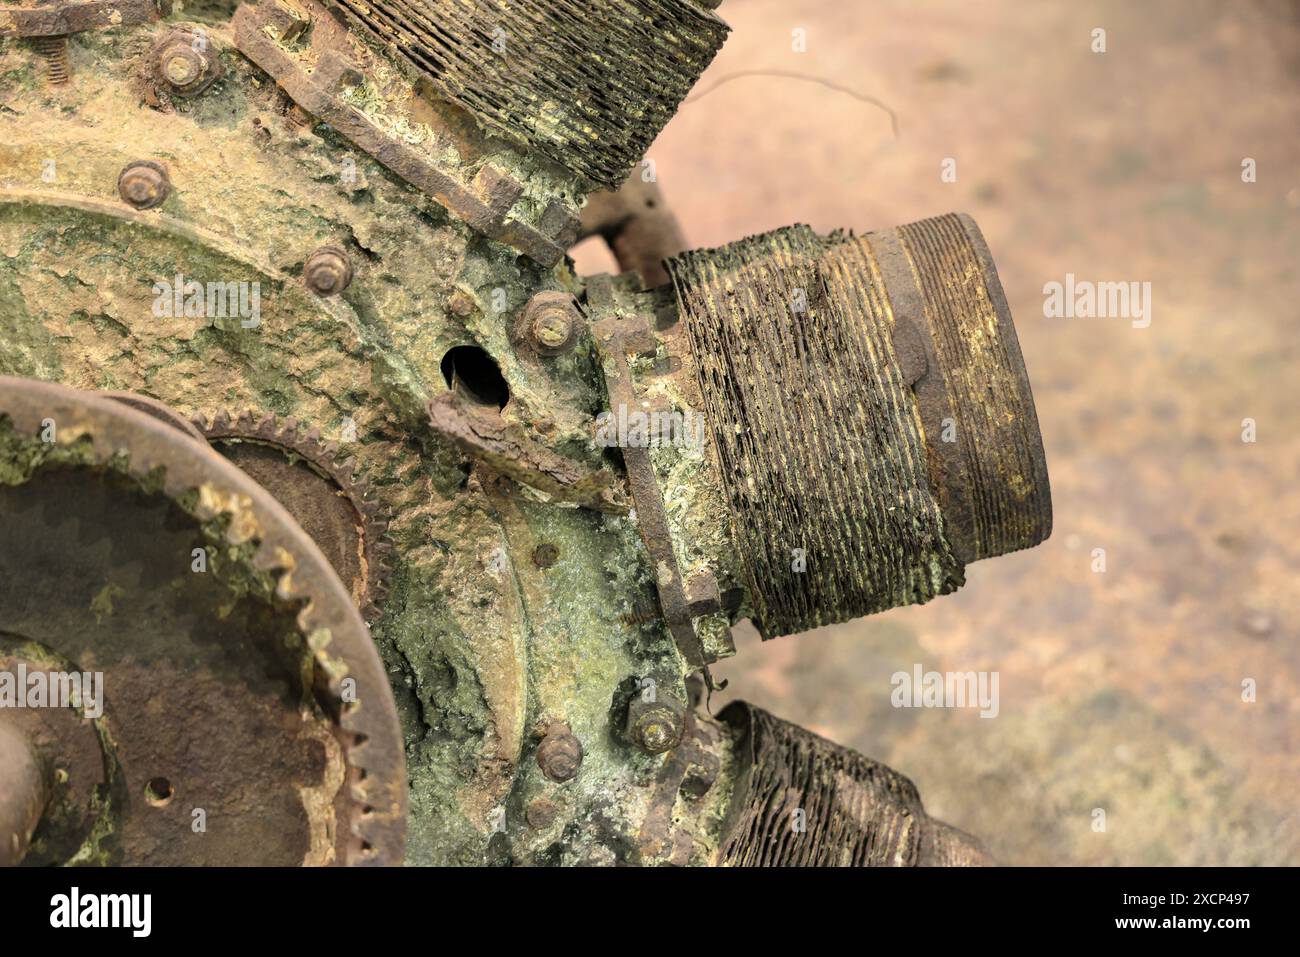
(873, 428)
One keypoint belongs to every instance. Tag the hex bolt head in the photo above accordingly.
(656, 726)
(328, 271)
(551, 322)
(182, 66)
(559, 754)
(144, 184)
(185, 63)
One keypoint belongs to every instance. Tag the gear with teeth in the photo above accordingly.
(222, 701)
(320, 489)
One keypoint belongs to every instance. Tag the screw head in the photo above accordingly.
(559, 754)
(656, 733)
(656, 726)
(143, 184)
(552, 322)
(551, 329)
(327, 271)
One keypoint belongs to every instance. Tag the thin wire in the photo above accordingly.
(792, 75)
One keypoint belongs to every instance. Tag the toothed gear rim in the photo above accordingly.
(150, 465)
(363, 565)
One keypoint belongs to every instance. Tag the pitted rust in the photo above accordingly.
(319, 77)
(61, 19)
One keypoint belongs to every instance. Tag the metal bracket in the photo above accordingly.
(617, 338)
(484, 203)
(61, 19)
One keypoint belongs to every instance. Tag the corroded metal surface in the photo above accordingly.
(60, 19)
(588, 84)
(618, 337)
(110, 511)
(871, 416)
(320, 78)
(802, 801)
(490, 439)
(24, 792)
(339, 246)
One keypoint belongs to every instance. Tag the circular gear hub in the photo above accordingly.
(187, 672)
(320, 489)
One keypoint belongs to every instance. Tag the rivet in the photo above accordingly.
(143, 184)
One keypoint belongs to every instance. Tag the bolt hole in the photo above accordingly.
(475, 375)
(159, 792)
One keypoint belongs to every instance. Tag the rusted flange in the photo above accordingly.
(486, 197)
(617, 338)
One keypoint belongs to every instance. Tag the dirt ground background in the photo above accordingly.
(1119, 690)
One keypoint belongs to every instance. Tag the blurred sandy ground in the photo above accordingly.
(1121, 690)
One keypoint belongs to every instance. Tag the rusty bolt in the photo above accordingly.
(541, 813)
(144, 184)
(656, 726)
(182, 66)
(185, 63)
(551, 322)
(327, 271)
(560, 753)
